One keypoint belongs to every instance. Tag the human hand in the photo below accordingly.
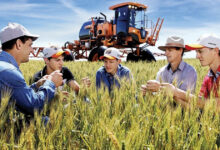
(153, 85)
(65, 93)
(86, 82)
(57, 78)
(143, 89)
(42, 80)
(168, 88)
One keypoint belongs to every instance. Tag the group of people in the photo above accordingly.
(17, 42)
(208, 52)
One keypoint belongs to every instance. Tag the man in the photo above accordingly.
(207, 51)
(176, 71)
(16, 46)
(53, 58)
(112, 71)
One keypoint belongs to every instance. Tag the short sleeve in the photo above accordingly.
(67, 74)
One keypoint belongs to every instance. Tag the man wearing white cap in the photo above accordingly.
(208, 52)
(53, 58)
(176, 71)
(112, 70)
(16, 46)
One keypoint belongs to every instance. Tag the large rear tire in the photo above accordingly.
(69, 57)
(96, 53)
(145, 55)
(132, 57)
(93, 56)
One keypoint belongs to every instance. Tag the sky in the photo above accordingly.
(58, 21)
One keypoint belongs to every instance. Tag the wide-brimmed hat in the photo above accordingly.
(173, 41)
(13, 31)
(111, 53)
(54, 52)
(206, 40)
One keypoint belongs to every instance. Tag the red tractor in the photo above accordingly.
(127, 31)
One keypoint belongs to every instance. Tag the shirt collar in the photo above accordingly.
(43, 71)
(9, 58)
(212, 74)
(180, 67)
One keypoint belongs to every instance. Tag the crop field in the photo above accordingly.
(126, 120)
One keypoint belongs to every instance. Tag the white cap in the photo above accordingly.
(207, 40)
(13, 31)
(53, 52)
(111, 53)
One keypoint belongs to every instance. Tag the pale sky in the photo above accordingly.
(58, 21)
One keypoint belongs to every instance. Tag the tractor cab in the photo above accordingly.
(129, 16)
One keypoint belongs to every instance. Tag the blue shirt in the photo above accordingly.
(108, 80)
(25, 98)
(184, 77)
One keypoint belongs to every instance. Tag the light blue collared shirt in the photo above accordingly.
(184, 77)
(25, 98)
(103, 77)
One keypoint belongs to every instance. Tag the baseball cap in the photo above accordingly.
(111, 53)
(53, 52)
(206, 40)
(173, 41)
(13, 31)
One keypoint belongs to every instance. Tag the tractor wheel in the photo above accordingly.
(93, 56)
(146, 55)
(132, 57)
(96, 53)
(101, 50)
(69, 57)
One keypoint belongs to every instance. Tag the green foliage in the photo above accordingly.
(118, 122)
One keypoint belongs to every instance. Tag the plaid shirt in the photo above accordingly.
(210, 84)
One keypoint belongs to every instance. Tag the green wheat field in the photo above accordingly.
(126, 120)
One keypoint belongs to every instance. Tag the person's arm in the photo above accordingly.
(152, 85)
(71, 82)
(184, 98)
(179, 96)
(74, 85)
(98, 80)
(37, 80)
(26, 99)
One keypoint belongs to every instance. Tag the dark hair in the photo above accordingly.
(9, 44)
(49, 58)
(178, 48)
